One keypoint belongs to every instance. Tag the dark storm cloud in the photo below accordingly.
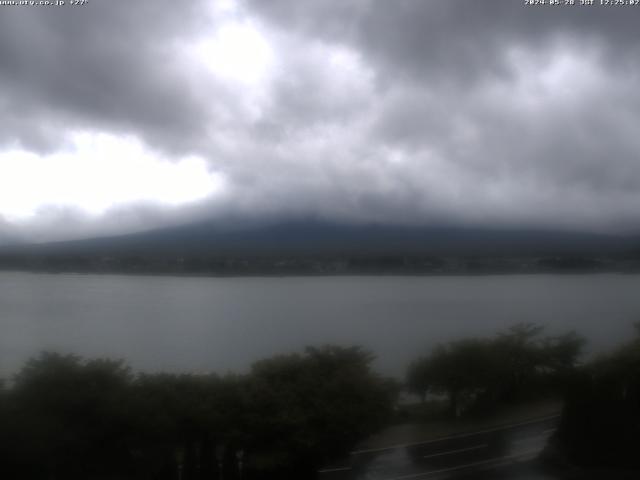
(459, 38)
(366, 110)
(104, 66)
(530, 110)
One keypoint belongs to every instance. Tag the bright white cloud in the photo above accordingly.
(98, 172)
(237, 52)
(231, 65)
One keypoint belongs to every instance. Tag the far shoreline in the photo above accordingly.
(268, 275)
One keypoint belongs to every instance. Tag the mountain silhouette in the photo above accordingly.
(316, 237)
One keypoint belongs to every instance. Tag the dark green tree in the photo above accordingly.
(306, 408)
(600, 424)
(475, 373)
(464, 370)
(71, 416)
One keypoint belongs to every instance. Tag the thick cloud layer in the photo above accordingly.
(437, 111)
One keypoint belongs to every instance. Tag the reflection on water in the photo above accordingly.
(385, 465)
(400, 464)
(508, 451)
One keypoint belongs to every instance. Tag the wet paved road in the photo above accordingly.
(499, 452)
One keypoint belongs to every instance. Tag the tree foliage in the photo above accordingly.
(476, 372)
(600, 424)
(65, 417)
(307, 408)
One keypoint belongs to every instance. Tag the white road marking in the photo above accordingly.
(475, 447)
(330, 470)
(456, 436)
(498, 461)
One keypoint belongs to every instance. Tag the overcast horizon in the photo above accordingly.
(126, 116)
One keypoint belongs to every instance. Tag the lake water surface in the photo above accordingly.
(224, 324)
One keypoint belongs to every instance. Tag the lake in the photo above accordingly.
(206, 324)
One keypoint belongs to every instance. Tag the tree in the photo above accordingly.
(65, 417)
(182, 419)
(600, 424)
(512, 365)
(70, 415)
(463, 370)
(418, 378)
(304, 409)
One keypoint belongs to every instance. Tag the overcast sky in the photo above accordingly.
(125, 115)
